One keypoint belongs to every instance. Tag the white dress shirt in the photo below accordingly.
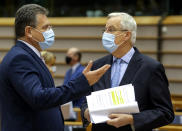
(34, 49)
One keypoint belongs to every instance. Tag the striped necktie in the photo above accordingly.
(116, 77)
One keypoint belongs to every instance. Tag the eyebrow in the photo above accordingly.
(110, 27)
(45, 26)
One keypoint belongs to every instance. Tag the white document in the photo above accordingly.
(67, 111)
(113, 100)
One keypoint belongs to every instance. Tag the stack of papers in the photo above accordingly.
(113, 100)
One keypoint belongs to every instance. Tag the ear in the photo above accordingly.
(127, 35)
(28, 31)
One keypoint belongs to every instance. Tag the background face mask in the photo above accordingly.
(68, 59)
(53, 68)
(48, 39)
(108, 42)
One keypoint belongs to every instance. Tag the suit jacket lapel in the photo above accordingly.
(132, 68)
(30, 51)
(77, 70)
(107, 75)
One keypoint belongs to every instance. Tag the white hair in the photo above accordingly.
(127, 23)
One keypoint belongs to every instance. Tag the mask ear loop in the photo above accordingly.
(34, 38)
(120, 34)
(123, 44)
(114, 40)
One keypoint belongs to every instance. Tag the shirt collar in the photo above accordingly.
(75, 66)
(32, 47)
(127, 57)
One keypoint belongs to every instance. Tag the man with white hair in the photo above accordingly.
(129, 66)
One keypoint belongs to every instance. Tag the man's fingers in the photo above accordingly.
(88, 67)
(94, 76)
(112, 122)
(112, 116)
(103, 69)
(109, 122)
(86, 114)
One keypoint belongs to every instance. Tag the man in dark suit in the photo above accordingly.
(29, 99)
(128, 65)
(73, 58)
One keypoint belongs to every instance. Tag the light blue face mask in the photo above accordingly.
(49, 37)
(108, 42)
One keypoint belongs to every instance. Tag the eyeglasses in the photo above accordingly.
(48, 27)
(111, 30)
(44, 28)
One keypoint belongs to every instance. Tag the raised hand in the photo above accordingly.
(94, 76)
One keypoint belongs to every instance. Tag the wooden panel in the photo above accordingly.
(172, 45)
(154, 56)
(85, 43)
(58, 81)
(174, 74)
(173, 66)
(172, 59)
(78, 30)
(144, 44)
(170, 128)
(177, 105)
(173, 20)
(78, 111)
(7, 21)
(6, 31)
(87, 54)
(71, 123)
(6, 43)
(61, 69)
(172, 30)
(142, 31)
(150, 45)
(176, 97)
(79, 43)
(147, 31)
(2, 54)
(85, 21)
(175, 88)
(178, 113)
(60, 56)
(147, 20)
(77, 21)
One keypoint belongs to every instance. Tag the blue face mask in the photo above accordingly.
(108, 42)
(48, 39)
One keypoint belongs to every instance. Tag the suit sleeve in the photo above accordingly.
(83, 107)
(24, 78)
(161, 112)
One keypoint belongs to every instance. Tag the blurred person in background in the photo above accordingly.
(50, 60)
(73, 59)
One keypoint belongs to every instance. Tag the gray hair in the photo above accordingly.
(127, 23)
(26, 16)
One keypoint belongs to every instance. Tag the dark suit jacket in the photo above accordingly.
(151, 92)
(69, 76)
(30, 101)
